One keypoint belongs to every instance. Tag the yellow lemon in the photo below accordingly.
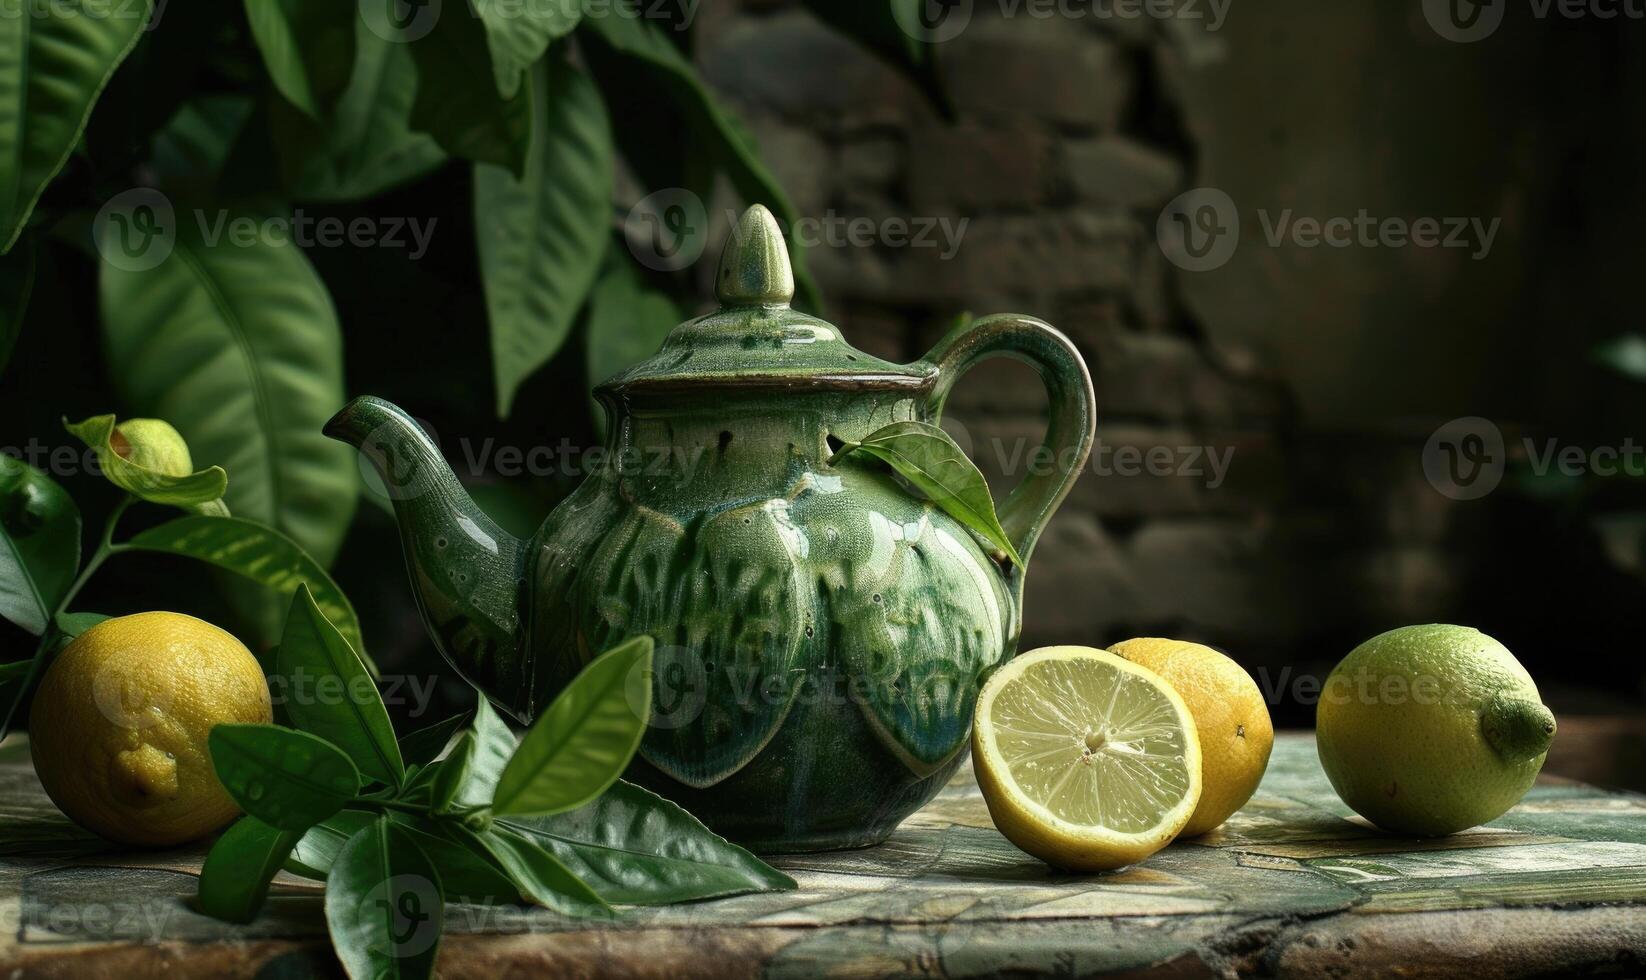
(1429, 730)
(118, 728)
(1085, 760)
(1235, 731)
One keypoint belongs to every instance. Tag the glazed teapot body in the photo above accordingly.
(822, 630)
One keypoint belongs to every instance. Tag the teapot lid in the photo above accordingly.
(755, 340)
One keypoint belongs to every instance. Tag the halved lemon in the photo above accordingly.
(1086, 761)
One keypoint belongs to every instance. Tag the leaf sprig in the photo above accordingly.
(397, 837)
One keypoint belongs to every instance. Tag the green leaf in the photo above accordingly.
(468, 776)
(384, 908)
(307, 46)
(366, 146)
(316, 851)
(585, 739)
(538, 875)
(627, 319)
(123, 465)
(465, 875)
(424, 745)
(924, 455)
(519, 31)
(195, 145)
(457, 101)
(879, 27)
(651, 51)
(635, 848)
(1625, 354)
(330, 693)
(288, 779)
(39, 544)
(237, 344)
(72, 625)
(16, 283)
(541, 237)
(55, 58)
(258, 553)
(235, 878)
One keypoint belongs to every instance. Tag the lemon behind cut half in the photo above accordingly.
(1085, 760)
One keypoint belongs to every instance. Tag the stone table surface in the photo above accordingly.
(1293, 885)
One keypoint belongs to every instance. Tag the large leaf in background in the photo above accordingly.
(39, 544)
(585, 739)
(541, 237)
(314, 658)
(519, 31)
(16, 282)
(384, 908)
(457, 101)
(367, 145)
(238, 346)
(307, 46)
(258, 553)
(55, 58)
(650, 50)
(1625, 354)
(635, 848)
(879, 27)
(627, 319)
(191, 151)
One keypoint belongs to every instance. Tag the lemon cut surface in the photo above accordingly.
(1085, 760)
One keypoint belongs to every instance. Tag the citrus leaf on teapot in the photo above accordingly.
(585, 739)
(150, 460)
(924, 455)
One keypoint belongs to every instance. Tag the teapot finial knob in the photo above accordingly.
(754, 266)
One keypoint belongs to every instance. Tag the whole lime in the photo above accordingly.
(1428, 730)
(118, 728)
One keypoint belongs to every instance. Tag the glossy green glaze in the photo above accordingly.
(822, 631)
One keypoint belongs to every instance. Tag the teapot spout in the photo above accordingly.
(465, 570)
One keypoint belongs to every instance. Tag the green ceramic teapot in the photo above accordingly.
(822, 630)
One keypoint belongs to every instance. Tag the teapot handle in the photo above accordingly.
(1073, 418)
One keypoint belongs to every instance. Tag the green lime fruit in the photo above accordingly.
(1429, 730)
